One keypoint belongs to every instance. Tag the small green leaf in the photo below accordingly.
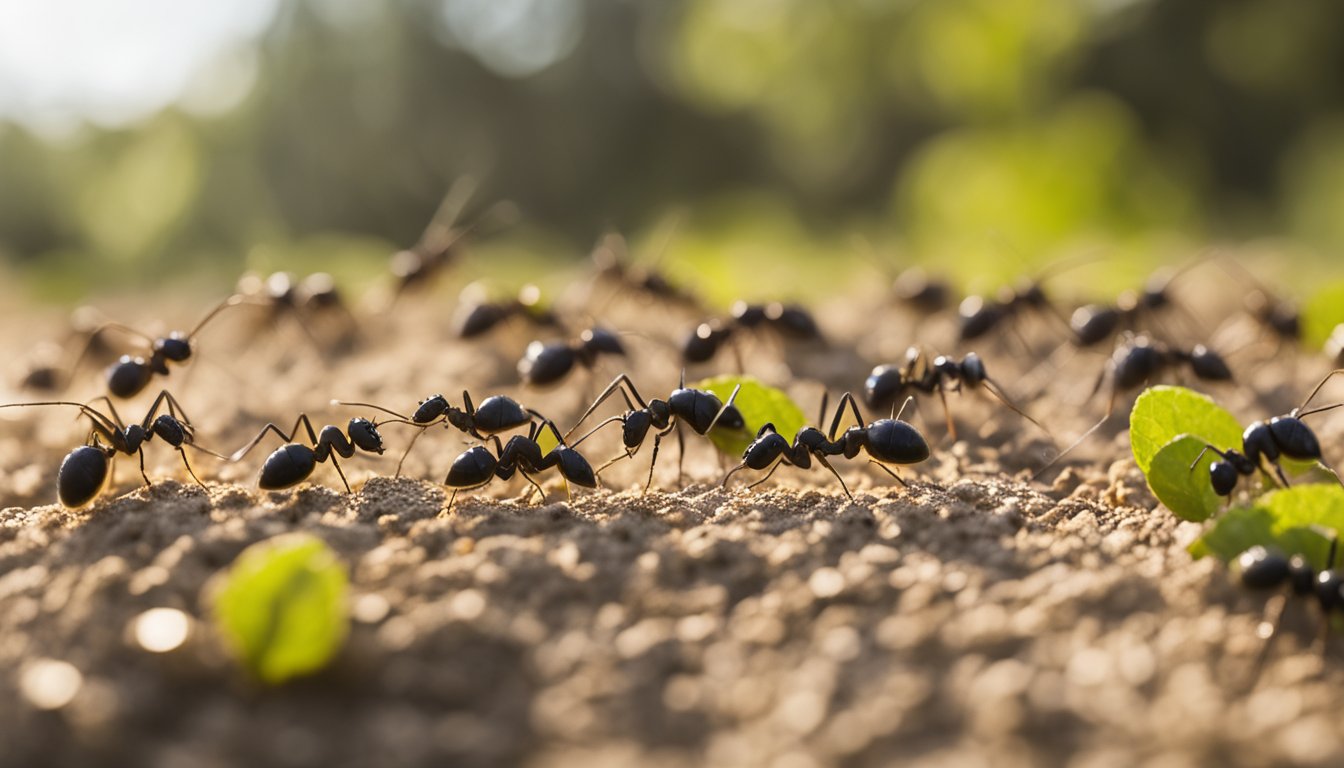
(1185, 491)
(1161, 414)
(1288, 520)
(281, 607)
(1322, 312)
(758, 404)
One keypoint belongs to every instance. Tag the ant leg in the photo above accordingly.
(241, 452)
(889, 471)
(621, 383)
(407, 452)
(724, 408)
(541, 493)
(187, 464)
(822, 460)
(590, 432)
(1269, 629)
(337, 465)
(451, 498)
(116, 417)
(947, 414)
(681, 455)
(767, 475)
(994, 389)
(845, 399)
(142, 467)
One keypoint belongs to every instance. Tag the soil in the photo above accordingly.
(974, 617)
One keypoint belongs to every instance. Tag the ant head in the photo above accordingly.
(480, 319)
(704, 342)
(1259, 568)
(175, 347)
(1093, 324)
(1209, 365)
(1223, 477)
(602, 341)
(364, 434)
(135, 436)
(128, 376)
(978, 317)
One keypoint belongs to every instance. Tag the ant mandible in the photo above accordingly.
(546, 364)
(887, 441)
(292, 463)
(85, 471)
(887, 383)
(1265, 442)
(699, 408)
(477, 466)
(498, 413)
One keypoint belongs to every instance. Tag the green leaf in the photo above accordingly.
(1161, 414)
(281, 607)
(1185, 491)
(758, 404)
(1322, 312)
(1289, 520)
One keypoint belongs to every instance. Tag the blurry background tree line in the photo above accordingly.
(986, 133)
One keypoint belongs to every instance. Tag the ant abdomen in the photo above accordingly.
(82, 476)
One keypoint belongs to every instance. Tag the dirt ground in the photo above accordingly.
(973, 618)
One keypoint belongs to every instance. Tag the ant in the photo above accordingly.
(130, 374)
(477, 466)
(1135, 363)
(610, 264)
(1266, 442)
(887, 441)
(699, 408)
(1094, 323)
(887, 383)
(497, 413)
(310, 296)
(789, 321)
(292, 463)
(86, 470)
(922, 292)
(477, 317)
(546, 364)
(1262, 569)
(1279, 316)
(979, 315)
(439, 243)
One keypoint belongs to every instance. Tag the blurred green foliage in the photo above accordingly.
(991, 135)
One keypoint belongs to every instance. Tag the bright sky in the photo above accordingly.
(113, 61)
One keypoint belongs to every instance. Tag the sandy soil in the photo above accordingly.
(974, 618)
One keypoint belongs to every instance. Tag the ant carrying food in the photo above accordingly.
(544, 364)
(699, 408)
(1265, 442)
(787, 321)
(294, 462)
(86, 470)
(887, 441)
(498, 413)
(889, 383)
(477, 466)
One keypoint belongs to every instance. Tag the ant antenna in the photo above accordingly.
(1298, 410)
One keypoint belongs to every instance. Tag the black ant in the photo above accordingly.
(546, 364)
(887, 441)
(1262, 569)
(1138, 361)
(1279, 316)
(311, 296)
(888, 383)
(699, 408)
(922, 292)
(610, 263)
(476, 317)
(497, 413)
(292, 463)
(1265, 442)
(85, 471)
(439, 243)
(980, 316)
(130, 374)
(1093, 324)
(788, 321)
(477, 466)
